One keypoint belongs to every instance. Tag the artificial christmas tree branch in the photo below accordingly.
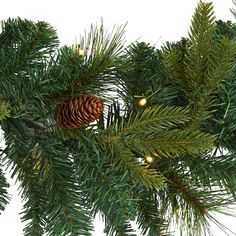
(149, 217)
(132, 133)
(201, 62)
(4, 199)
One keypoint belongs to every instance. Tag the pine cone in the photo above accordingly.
(78, 111)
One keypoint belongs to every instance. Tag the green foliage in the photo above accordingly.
(4, 110)
(149, 217)
(102, 49)
(155, 130)
(53, 200)
(191, 196)
(201, 63)
(24, 44)
(92, 72)
(4, 196)
(108, 189)
(137, 77)
(226, 29)
(67, 176)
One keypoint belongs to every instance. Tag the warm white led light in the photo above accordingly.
(81, 52)
(149, 159)
(142, 102)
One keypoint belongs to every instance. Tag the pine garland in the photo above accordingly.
(136, 134)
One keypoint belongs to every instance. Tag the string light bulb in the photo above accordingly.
(149, 159)
(142, 102)
(81, 52)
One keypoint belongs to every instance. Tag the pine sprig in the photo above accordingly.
(149, 217)
(209, 170)
(18, 159)
(124, 229)
(65, 205)
(122, 158)
(110, 194)
(58, 200)
(201, 35)
(142, 68)
(24, 44)
(153, 119)
(125, 160)
(173, 143)
(187, 204)
(103, 57)
(34, 208)
(4, 196)
(154, 130)
(224, 60)
(102, 49)
(201, 63)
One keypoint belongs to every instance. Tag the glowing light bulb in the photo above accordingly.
(81, 52)
(149, 159)
(142, 102)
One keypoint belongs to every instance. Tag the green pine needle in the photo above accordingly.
(4, 110)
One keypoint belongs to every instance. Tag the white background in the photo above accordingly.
(151, 21)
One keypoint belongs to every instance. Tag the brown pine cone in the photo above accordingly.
(78, 111)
